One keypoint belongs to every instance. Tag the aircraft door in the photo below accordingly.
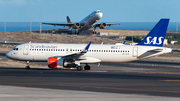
(135, 52)
(25, 50)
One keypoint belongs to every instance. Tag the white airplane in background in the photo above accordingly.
(85, 24)
(73, 55)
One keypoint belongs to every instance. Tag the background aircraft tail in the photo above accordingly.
(156, 36)
(68, 20)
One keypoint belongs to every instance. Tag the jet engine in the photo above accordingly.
(57, 62)
(76, 25)
(102, 25)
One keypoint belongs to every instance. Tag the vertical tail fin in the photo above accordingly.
(68, 20)
(156, 36)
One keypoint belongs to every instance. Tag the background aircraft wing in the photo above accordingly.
(60, 24)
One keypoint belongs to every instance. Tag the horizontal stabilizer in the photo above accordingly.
(150, 52)
(155, 50)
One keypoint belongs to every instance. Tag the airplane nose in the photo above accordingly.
(99, 15)
(8, 54)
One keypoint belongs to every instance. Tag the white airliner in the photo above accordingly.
(73, 55)
(88, 22)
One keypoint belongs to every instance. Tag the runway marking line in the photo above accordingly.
(169, 80)
(153, 72)
(96, 71)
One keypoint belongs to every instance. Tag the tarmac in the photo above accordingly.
(148, 80)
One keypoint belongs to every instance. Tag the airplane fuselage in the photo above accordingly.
(96, 53)
(90, 20)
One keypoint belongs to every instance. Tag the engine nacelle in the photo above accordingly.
(76, 25)
(74, 31)
(57, 62)
(103, 25)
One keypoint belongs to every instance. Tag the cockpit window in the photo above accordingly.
(98, 11)
(16, 49)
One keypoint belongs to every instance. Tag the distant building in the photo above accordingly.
(113, 34)
(103, 34)
(165, 42)
(122, 37)
(172, 42)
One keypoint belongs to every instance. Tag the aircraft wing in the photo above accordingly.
(108, 24)
(77, 55)
(60, 24)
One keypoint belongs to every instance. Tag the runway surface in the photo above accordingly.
(145, 77)
(122, 82)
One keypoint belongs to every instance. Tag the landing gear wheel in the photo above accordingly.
(94, 32)
(27, 67)
(79, 68)
(87, 67)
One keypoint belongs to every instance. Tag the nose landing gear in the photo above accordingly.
(27, 67)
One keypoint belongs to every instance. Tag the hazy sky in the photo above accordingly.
(113, 10)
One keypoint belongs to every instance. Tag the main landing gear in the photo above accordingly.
(94, 31)
(79, 68)
(27, 67)
(87, 67)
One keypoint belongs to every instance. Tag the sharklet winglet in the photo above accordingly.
(87, 47)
